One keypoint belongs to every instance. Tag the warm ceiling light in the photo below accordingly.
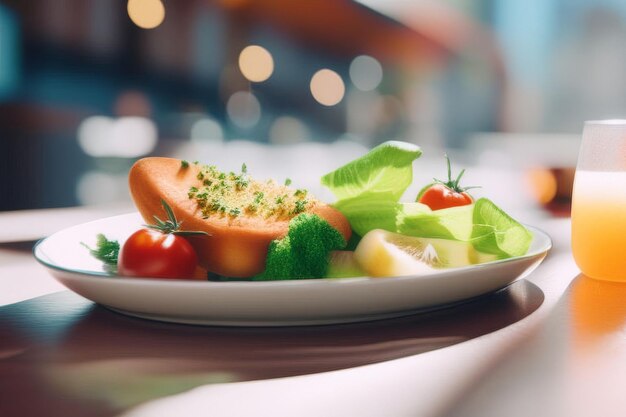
(327, 87)
(146, 14)
(256, 63)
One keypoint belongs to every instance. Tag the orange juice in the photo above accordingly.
(599, 224)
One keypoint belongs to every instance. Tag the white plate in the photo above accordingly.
(267, 303)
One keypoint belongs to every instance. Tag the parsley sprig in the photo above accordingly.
(171, 225)
(105, 251)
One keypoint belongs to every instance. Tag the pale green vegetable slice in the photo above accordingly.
(368, 212)
(496, 232)
(452, 253)
(416, 219)
(342, 264)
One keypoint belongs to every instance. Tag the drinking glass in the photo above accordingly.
(599, 201)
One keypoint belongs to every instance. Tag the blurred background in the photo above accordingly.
(89, 86)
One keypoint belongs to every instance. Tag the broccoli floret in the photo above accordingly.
(303, 253)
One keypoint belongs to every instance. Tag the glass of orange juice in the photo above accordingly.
(599, 201)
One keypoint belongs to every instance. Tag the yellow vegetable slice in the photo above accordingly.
(382, 254)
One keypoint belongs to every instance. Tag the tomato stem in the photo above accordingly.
(454, 184)
(171, 225)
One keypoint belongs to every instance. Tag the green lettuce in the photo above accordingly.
(367, 213)
(419, 220)
(385, 171)
(496, 232)
(369, 189)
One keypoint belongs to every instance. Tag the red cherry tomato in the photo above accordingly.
(152, 254)
(438, 197)
(445, 194)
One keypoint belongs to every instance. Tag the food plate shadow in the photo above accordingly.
(249, 353)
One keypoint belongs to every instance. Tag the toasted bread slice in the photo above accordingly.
(242, 216)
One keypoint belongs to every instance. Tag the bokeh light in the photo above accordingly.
(95, 188)
(126, 137)
(543, 184)
(147, 14)
(366, 72)
(327, 87)
(287, 130)
(244, 109)
(207, 130)
(256, 63)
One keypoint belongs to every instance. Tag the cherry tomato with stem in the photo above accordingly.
(445, 194)
(159, 251)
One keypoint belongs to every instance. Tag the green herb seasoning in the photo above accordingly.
(230, 195)
(299, 206)
(106, 251)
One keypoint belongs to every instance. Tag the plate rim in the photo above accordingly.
(542, 251)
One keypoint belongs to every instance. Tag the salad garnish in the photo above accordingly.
(369, 189)
(171, 225)
(105, 251)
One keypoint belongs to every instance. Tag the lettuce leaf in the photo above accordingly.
(496, 232)
(368, 212)
(453, 223)
(368, 189)
(385, 172)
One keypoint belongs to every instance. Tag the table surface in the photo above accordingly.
(544, 346)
